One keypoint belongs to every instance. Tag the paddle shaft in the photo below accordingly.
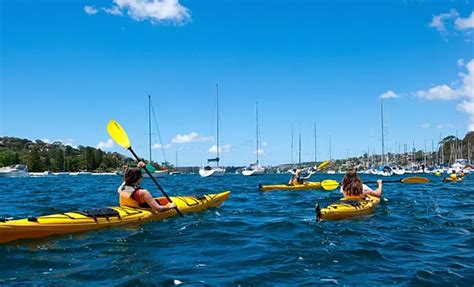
(154, 180)
(385, 181)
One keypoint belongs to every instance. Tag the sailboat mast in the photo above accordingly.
(217, 104)
(149, 125)
(383, 140)
(330, 147)
(299, 148)
(315, 145)
(256, 114)
(291, 145)
(176, 160)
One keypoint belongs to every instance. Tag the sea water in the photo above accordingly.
(421, 234)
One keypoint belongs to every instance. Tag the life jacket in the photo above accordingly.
(296, 180)
(130, 196)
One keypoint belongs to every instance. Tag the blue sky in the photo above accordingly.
(67, 67)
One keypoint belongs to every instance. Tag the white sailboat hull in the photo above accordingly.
(212, 172)
(250, 172)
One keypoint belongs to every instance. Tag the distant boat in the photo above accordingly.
(18, 170)
(158, 173)
(61, 173)
(398, 170)
(208, 171)
(385, 171)
(80, 173)
(41, 174)
(175, 171)
(460, 165)
(254, 168)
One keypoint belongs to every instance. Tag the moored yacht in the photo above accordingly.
(208, 171)
(254, 168)
(18, 170)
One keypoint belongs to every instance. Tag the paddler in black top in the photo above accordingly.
(296, 179)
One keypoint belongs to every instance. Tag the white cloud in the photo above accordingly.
(151, 10)
(438, 21)
(451, 21)
(388, 95)
(90, 10)
(115, 10)
(105, 145)
(464, 88)
(191, 137)
(159, 146)
(222, 148)
(442, 92)
(259, 151)
(442, 126)
(147, 10)
(425, 125)
(465, 23)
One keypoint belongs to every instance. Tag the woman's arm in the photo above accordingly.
(153, 204)
(377, 192)
(119, 189)
(291, 180)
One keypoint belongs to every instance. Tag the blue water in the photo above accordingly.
(419, 235)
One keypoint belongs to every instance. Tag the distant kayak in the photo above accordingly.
(304, 186)
(346, 208)
(76, 221)
(448, 179)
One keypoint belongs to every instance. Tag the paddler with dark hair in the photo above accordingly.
(352, 186)
(132, 195)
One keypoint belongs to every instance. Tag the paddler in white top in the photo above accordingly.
(352, 186)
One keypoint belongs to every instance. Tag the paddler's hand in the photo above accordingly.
(171, 205)
(379, 181)
(141, 164)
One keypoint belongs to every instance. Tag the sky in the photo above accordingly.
(68, 67)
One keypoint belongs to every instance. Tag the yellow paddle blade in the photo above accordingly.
(118, 134)
(329, 184)
(323, 164)
(415, 179)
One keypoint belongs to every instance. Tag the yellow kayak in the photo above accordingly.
(76, 221)
(347, 208)
(304, 186)
(448, 179)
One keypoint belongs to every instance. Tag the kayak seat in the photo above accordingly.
(104, 212)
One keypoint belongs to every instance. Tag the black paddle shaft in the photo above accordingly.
(154, 180)
(398, 180)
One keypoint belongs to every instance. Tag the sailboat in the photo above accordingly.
(254, 168)
(384, 169)
(208, 171)
(175, 171)
(156, 173)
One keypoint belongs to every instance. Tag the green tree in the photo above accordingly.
(34, 163)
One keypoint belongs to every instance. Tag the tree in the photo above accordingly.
(34, 163)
